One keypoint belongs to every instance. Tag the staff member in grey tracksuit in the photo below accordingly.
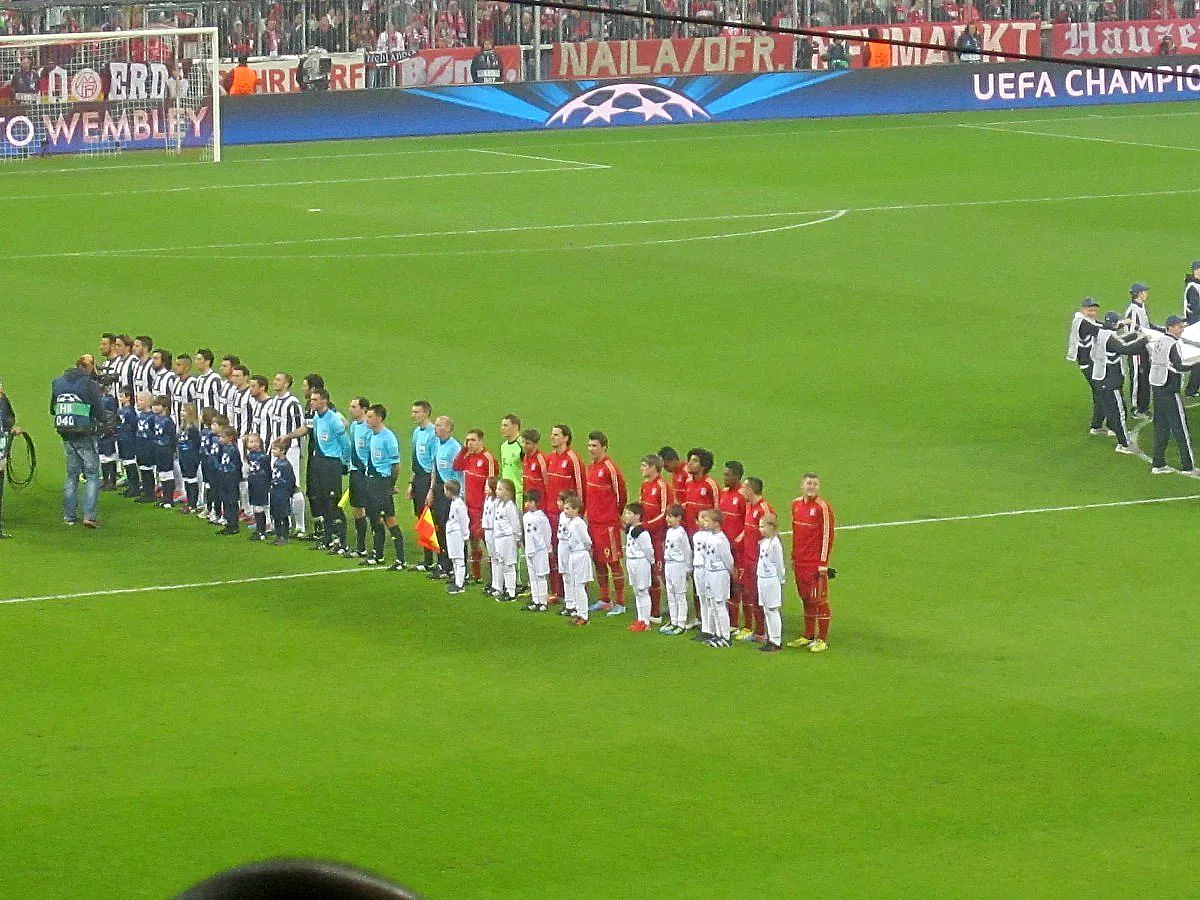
(1191, 315)
(1139, 364)
(1107, 349)
(1079, 351)
(1170, 420)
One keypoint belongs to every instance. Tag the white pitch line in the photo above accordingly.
(373, 179)
(1080, 137)
(112, 592)
(493, 251)
(569, 162)
(158, 588)
(570, 226)
(1092, 117)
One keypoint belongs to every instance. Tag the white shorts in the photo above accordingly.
(581, 568)
(504, 551)
(639, 574)
(676, 578)
(717, 585)
(456, 545)
(770, 593)
(538, 563)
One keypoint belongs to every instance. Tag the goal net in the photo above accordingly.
(108, 92)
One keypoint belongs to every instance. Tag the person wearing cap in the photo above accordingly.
(1139, 365)
(1107, 349)
(1191, 315)
(1079, 351)
(1170, 420)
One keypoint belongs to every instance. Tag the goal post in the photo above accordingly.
(102, 93)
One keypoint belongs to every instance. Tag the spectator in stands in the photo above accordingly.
(872, 15)
(1163, 9)
(943, 11)
(26, 81)
(458, 23)
(443, 36)
(1166, 46)
(1108, 11)
(273, 42)
(177, 85)
(242, 79)
(916, 15)
(995, 11)
(1190, 9)
(416, 35)
(237, 42)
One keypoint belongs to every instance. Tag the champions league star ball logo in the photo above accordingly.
(627, 104)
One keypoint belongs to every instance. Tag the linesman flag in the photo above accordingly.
(427, 531)
(344, 503)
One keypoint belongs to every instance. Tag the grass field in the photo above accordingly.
(1008, 708)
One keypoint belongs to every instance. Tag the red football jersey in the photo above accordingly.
(656, 496)
(679, 483)
(605, 487)
(732, 504)
(812, 531)
(564, 472)
(477, 468)
(751, 536)
(533, 477)
(701, 494)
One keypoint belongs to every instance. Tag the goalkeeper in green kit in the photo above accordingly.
(512, 456)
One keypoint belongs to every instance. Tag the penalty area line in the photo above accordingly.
(162, 588)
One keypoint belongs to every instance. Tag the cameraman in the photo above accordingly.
(75, 404)
(312, 74)
(8, 430)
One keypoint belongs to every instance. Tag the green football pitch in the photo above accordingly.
(1008, 707)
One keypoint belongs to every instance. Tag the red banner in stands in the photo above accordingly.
(997, 37)
(349, 71)
(1096, 40)
(680, 56)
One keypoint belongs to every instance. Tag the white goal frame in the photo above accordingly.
(213, 61)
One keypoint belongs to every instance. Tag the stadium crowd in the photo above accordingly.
(207, 437)
(1118, 351)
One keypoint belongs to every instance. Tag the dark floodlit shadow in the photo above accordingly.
(297, 879)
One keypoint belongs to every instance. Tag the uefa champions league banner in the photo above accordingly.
(50, 128)
(540, 106)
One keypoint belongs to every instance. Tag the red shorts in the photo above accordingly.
(810, 583)
(750, 581)
(606, 543)
(475, 517)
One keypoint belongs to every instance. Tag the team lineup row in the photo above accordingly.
(180, 419)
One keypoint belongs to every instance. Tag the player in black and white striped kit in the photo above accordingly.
(208, 384)
(1079, 351)
(226, 390)
(1107, 349)
(183, 393)
(143, 350)
(1139, 364)
(1170, 419)
(162, 376)
(126, 362)
(284, 416)
(1191, 315)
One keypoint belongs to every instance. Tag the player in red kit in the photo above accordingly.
(701, 492)
(675, 472)
(812, 542)
(564, 472)
(477, 464)
(756, 507)
(732, 504)
(656, 496)
(605, 497)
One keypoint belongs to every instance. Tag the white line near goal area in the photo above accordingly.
(970, 517)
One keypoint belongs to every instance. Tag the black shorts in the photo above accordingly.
(358, 489)
(420, 489)
(325, 477)
(379, 500)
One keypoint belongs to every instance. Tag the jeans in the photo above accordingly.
(82, 459)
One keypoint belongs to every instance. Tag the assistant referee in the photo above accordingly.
(330, 459)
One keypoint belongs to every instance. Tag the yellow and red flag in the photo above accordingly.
(427, 531)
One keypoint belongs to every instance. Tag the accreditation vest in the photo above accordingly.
(879, 56)
(245, 80)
